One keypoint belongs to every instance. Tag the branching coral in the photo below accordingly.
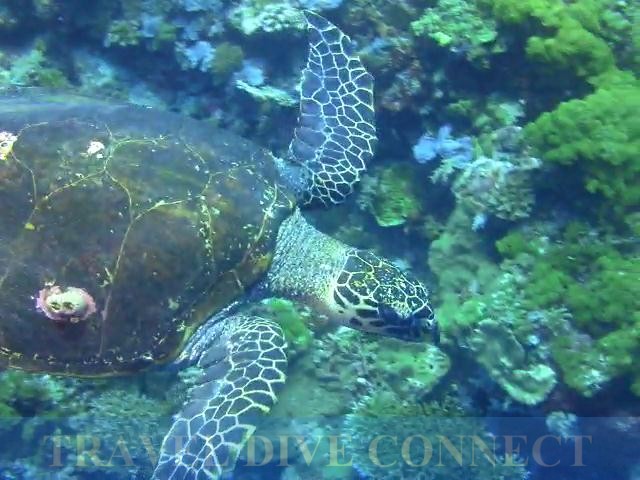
(600, 135)
(565, 35)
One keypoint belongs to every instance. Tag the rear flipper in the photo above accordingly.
(243, 369)
(336, 135)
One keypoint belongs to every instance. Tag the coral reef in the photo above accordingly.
(458, 260)
(499, 185)
(483, 309)
(600, 135)
(268, 94)
(254, 16)
(24, 396)
(199, 55)
(392, 195)
(506, 360)
(30, 68)
(95, 422)
(487, 114)
(574, 34)
(591, 279)
(462, 27)
(458, 151)
(392, 438)
(527, 231)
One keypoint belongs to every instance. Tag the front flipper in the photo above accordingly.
(336, 135)
(244, 367)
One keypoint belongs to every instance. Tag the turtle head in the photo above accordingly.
(373, 295)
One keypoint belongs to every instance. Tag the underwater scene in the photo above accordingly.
(319, 240)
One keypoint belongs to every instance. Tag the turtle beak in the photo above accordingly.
(433, 329)
(415, 327)
(427, 325)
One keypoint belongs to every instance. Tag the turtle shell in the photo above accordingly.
(122, 229)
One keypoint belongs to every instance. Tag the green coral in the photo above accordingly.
(166, 34)
(595, 282)
(609, 296)
(593, 279)
(412, 367)
(513, 244)
(599, 134)
(227, 60)
(293, 320)
(392, 195)
(123, 33)
(573, 46)
(605, 303)
(566, 35)
(32, 68)
(460, 26)
(487, 113)
(461, 268)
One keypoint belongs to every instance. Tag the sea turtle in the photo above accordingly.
(128, 234)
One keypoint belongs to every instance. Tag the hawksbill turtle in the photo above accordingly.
(129, 234)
